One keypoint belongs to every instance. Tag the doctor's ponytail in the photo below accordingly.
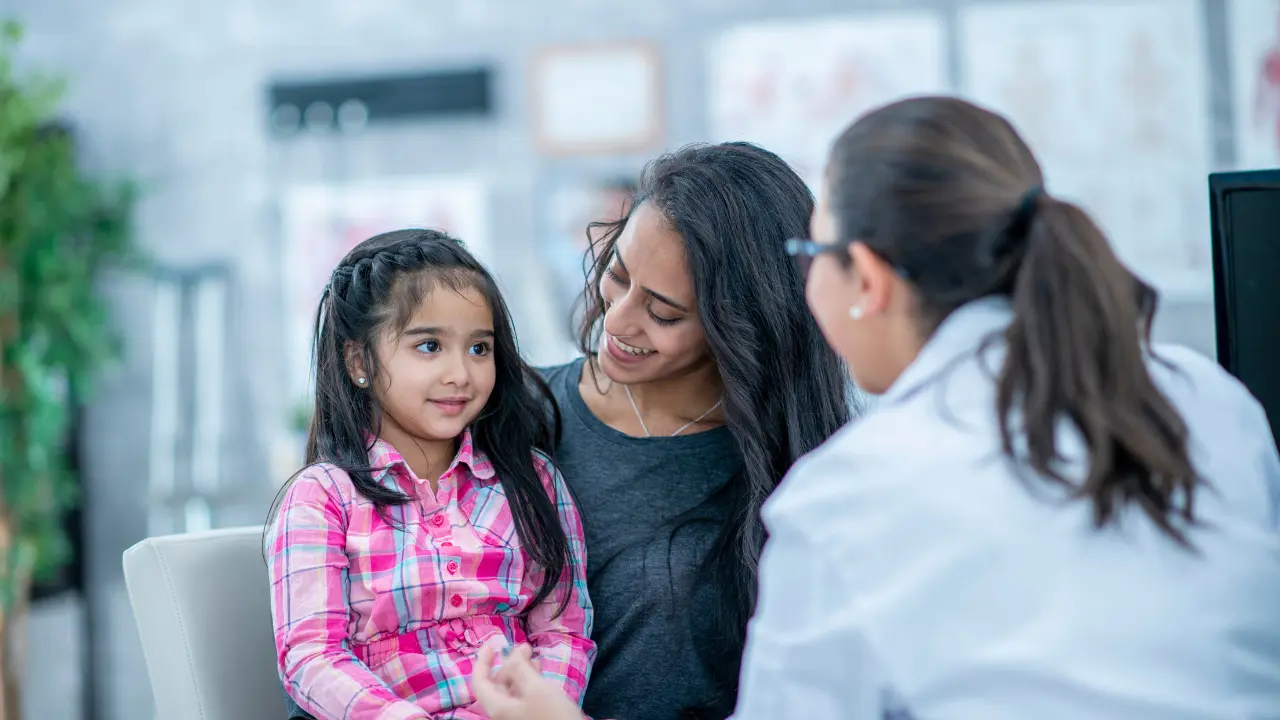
(1076, 349)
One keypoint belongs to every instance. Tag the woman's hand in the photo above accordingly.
(518, 691)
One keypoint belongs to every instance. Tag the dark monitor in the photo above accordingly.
(1245, 212)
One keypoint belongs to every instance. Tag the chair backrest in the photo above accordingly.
(202, 606)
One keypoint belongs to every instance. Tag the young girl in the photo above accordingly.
(428, 520)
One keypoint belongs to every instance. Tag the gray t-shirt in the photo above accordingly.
(640, 562)
(629, 490)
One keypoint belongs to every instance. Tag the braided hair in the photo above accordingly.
(377, 287)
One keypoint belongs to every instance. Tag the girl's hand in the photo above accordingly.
(517, 691)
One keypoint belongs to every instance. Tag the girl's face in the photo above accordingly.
(438, 374)
(652, 329)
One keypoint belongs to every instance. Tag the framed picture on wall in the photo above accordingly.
(1254, 32)
(793, 85)
(1054, 68)
(597, 99)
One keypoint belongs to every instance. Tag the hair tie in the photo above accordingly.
(1025, 213)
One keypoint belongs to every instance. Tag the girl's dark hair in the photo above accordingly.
(735, 205)
(376, 288)
(950, 194)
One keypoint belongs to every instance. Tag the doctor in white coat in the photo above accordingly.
(1044, 517)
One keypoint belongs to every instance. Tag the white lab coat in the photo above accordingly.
(910, 574)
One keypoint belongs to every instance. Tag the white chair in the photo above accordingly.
(203, 610)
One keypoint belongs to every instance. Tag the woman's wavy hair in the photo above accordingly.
(735, 205)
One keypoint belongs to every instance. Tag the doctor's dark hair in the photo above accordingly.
(734, 206)
(949, 193)
(376, 289)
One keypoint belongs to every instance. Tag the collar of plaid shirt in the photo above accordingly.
(384, 457)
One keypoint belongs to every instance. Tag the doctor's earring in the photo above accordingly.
(855, 312)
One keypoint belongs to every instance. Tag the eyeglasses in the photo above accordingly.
(804, 251)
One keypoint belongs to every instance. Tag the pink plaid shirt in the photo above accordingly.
(378, 621)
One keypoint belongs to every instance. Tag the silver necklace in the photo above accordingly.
(684, 427)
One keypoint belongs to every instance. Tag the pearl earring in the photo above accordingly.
(360, 382)
(855, 312)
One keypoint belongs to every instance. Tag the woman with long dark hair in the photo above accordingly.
(1045, 516)
(703, 379)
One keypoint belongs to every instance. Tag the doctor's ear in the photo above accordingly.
(874, 278)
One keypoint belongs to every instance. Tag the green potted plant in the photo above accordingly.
(59, 229)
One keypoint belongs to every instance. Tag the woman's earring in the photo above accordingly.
(855, 312)
(360, 382)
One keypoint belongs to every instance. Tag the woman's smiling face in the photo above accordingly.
(652, 330)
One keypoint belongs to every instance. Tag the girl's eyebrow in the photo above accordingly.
(445, 332)
(429, 331)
